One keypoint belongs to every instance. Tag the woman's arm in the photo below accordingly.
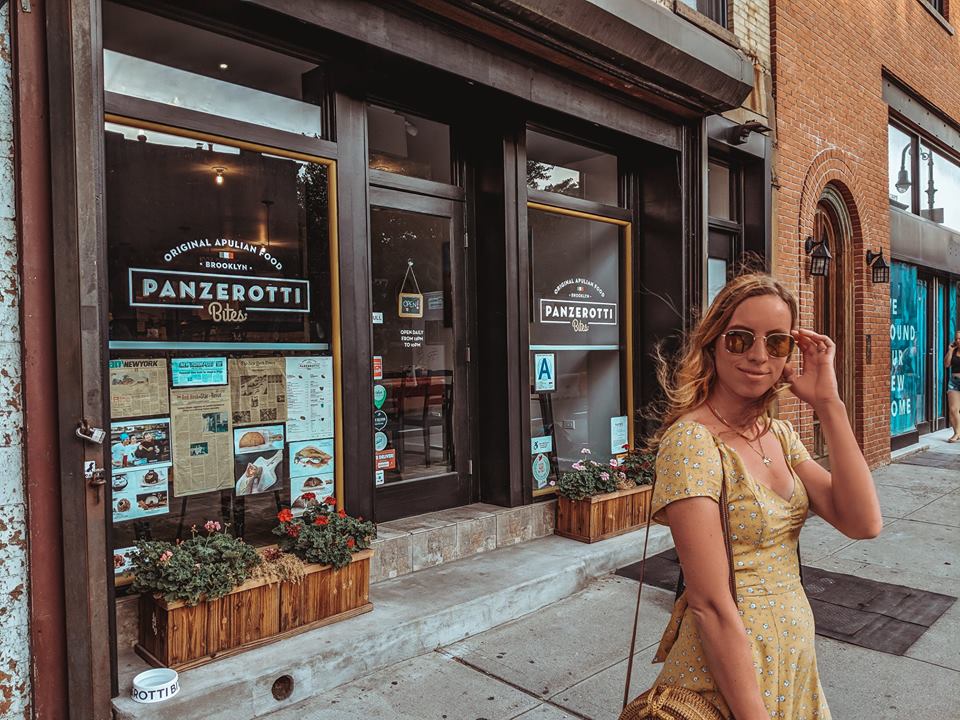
(951, 351)
(698, 535)
(845, 497)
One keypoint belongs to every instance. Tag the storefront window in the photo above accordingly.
(221, 352)
(558, 166)
(408, 144)
(720, 192)
(576, 355)
(940, 191)
(900, 168)
(144, 58)
(939, 349)
(906, 358)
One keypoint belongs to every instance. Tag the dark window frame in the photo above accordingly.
(715, 10)
(918, 138)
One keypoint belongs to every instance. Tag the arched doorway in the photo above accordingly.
(833, 300)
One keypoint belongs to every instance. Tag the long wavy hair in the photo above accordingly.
(688, 379)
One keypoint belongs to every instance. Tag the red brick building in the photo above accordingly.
(853, 82)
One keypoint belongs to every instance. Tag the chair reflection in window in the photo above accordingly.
(425, 402)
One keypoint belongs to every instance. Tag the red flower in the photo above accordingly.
(322, 520)
(293, 531)
(285, 515)
(309, 496)
(330, 500)
(342, 513)
(351, 542)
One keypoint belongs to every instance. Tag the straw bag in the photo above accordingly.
(670, 702)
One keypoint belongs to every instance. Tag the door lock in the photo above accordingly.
(95, 476)
(85, 431)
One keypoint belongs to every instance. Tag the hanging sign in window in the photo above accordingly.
(410, 304)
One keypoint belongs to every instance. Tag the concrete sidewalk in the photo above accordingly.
(568, 659)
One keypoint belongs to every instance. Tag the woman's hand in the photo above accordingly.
(818, 383)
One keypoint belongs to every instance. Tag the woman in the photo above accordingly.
(754, 658)
(952, 364)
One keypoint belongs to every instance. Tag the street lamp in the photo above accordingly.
(819, 257)
(879, 269)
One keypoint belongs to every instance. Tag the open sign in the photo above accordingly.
(410, 305)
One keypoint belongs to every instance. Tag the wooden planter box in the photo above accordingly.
(603, 516)
(175, 635)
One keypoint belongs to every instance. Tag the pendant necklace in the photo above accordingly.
(763, 456)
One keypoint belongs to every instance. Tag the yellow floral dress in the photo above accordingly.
(764, 530)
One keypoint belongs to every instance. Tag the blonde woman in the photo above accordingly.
(952, 366)
(752, 658)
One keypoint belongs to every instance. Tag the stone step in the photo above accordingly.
(413, 614)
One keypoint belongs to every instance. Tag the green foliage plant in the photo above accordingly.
(206, 566)
(589, 478)
(322, 534)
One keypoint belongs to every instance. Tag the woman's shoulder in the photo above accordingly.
(686, 430)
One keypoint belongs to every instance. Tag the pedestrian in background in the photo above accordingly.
(751, 656)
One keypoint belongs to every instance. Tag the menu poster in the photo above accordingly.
(311, 457)
(258, 465)
(191, 372)
(123, 560)
(321, 486)
(140, 443)
(202, 440)
(258, 390)
(309, 397)
(140, 493)
(138, 388)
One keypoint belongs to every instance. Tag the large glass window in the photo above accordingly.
(576, 355)
(221, 369)
(559, 166)
(922, 178)
(152, 58)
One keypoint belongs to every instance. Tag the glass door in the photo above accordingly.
(420, 381)
(924, 356)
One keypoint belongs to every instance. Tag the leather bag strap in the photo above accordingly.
(724, 524)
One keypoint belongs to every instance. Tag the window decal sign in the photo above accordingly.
(544, 372)
(578, 302)
(195, 291)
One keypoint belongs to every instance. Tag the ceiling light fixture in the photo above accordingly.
(224, 66)
(219, 178)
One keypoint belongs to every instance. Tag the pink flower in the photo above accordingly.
(614, 463)
(585, 451)
(165, 556)
(211, 526)
(605, 476)
(577, 465)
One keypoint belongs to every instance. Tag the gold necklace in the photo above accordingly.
(763, 456)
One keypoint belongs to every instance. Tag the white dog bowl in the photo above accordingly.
(155, 685)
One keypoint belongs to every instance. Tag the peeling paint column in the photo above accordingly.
(14, 610)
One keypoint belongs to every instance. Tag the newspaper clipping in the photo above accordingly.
(138, 388)
(258, 390)
(202, 440)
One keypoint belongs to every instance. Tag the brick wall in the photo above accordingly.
(831, 127)
(14, 612)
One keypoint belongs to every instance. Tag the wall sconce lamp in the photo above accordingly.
(878, 267)
(819, 257)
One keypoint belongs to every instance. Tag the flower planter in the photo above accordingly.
(175, 635)
(603, 516)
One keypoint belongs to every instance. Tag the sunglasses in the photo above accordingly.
(779, 345)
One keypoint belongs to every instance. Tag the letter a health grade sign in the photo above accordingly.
(545, 372)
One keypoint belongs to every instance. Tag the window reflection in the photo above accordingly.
(558, 166)
(407, 144)
(144, 58)
(940, 194)
(900, 168)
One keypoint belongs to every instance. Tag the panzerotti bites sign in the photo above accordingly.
(197, 291)
(578, 309)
